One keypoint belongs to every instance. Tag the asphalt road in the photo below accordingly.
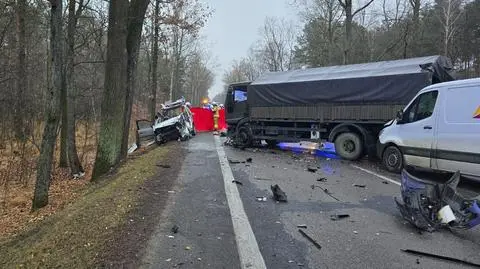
(214, 233)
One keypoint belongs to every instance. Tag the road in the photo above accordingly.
(222, 225)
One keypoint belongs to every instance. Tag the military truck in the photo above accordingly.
(347, 104)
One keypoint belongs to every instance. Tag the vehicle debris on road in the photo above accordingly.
(237, 182)
(312, 169)
(303, 226)
(175, 229)
(322, 179)
(249, 160)
(440, 257)
(278, 194)
(339, 216)
(430, 206)
(261, 199)
(359, 185)
(315, 243)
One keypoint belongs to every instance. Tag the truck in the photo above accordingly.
(347, 104)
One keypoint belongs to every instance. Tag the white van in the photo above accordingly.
(439, 129)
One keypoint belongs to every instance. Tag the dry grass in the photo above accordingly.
(75, 235)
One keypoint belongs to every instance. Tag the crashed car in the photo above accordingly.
(174, 121)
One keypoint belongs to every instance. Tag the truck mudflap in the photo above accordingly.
(429, 206)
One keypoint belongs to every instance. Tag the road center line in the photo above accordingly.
(377, 175)
(250, 255)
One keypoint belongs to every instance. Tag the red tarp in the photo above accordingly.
(203, 119)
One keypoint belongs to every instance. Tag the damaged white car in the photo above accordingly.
(174, 121)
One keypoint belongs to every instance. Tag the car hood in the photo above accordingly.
(168, 122)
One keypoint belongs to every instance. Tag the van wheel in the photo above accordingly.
(160, 139)
(349, 146)
(392, 159)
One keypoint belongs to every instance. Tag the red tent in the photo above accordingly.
(203, 119)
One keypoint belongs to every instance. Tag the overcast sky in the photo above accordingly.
(234, 27)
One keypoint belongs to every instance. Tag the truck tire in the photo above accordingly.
(244, 137)
(392, 159)
(349, 146)
(160, 139)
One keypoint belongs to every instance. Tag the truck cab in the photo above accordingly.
(236, 105)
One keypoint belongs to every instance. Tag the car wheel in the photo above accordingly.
(392, 159)
(160, 139)
(349, 146)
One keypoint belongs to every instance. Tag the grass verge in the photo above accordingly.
(76, 236)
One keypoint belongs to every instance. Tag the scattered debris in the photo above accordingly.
(164, 165)
(234, 161)
(315, 243)
(440, 257)
(199, 259)
(278, 222)
(322, 179)
(261, 178)
(170, 236)
(171, 191)
(312, 169)
(237, 182)
(249, 160)
(429, 206)
(325, 191)
(261, 199)
(385, 182)
(303, 226)
(418, 261)
(278, 194)
(188, 248)
(132, 148)
(355, 232)
(168, 260)
(339, 216)
(175, 229)
(290, 261)
(359, 185)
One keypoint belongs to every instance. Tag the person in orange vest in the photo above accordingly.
(216, 116)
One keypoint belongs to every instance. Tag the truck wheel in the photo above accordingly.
(349, 146)
(392, 159)
(244, 136)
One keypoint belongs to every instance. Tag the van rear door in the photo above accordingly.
(457, 145)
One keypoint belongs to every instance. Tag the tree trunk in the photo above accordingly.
(76, 168)
(137, 12)
(21, 78)
(44, 166)
(156, 26)
(64, 123)
(115, 85)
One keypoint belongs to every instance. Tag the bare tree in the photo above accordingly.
(73, 160)
(155, 52)
(448, 14)
(347, 6)
(21, 74)
(277, 44)
(44, 167)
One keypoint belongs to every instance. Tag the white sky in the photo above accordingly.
(234, 27)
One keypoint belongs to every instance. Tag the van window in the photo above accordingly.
(422, 107)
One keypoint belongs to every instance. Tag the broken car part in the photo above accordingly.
(424, 204)
(339, 216)
(315, 243)
(278, 194)
(440, 257)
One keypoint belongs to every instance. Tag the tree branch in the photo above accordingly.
(362, 8)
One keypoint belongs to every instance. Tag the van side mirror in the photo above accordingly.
(400, 116)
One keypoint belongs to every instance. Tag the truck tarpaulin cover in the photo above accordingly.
(391, 82)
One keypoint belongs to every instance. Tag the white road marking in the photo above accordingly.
(377, 175)
(250, 255)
